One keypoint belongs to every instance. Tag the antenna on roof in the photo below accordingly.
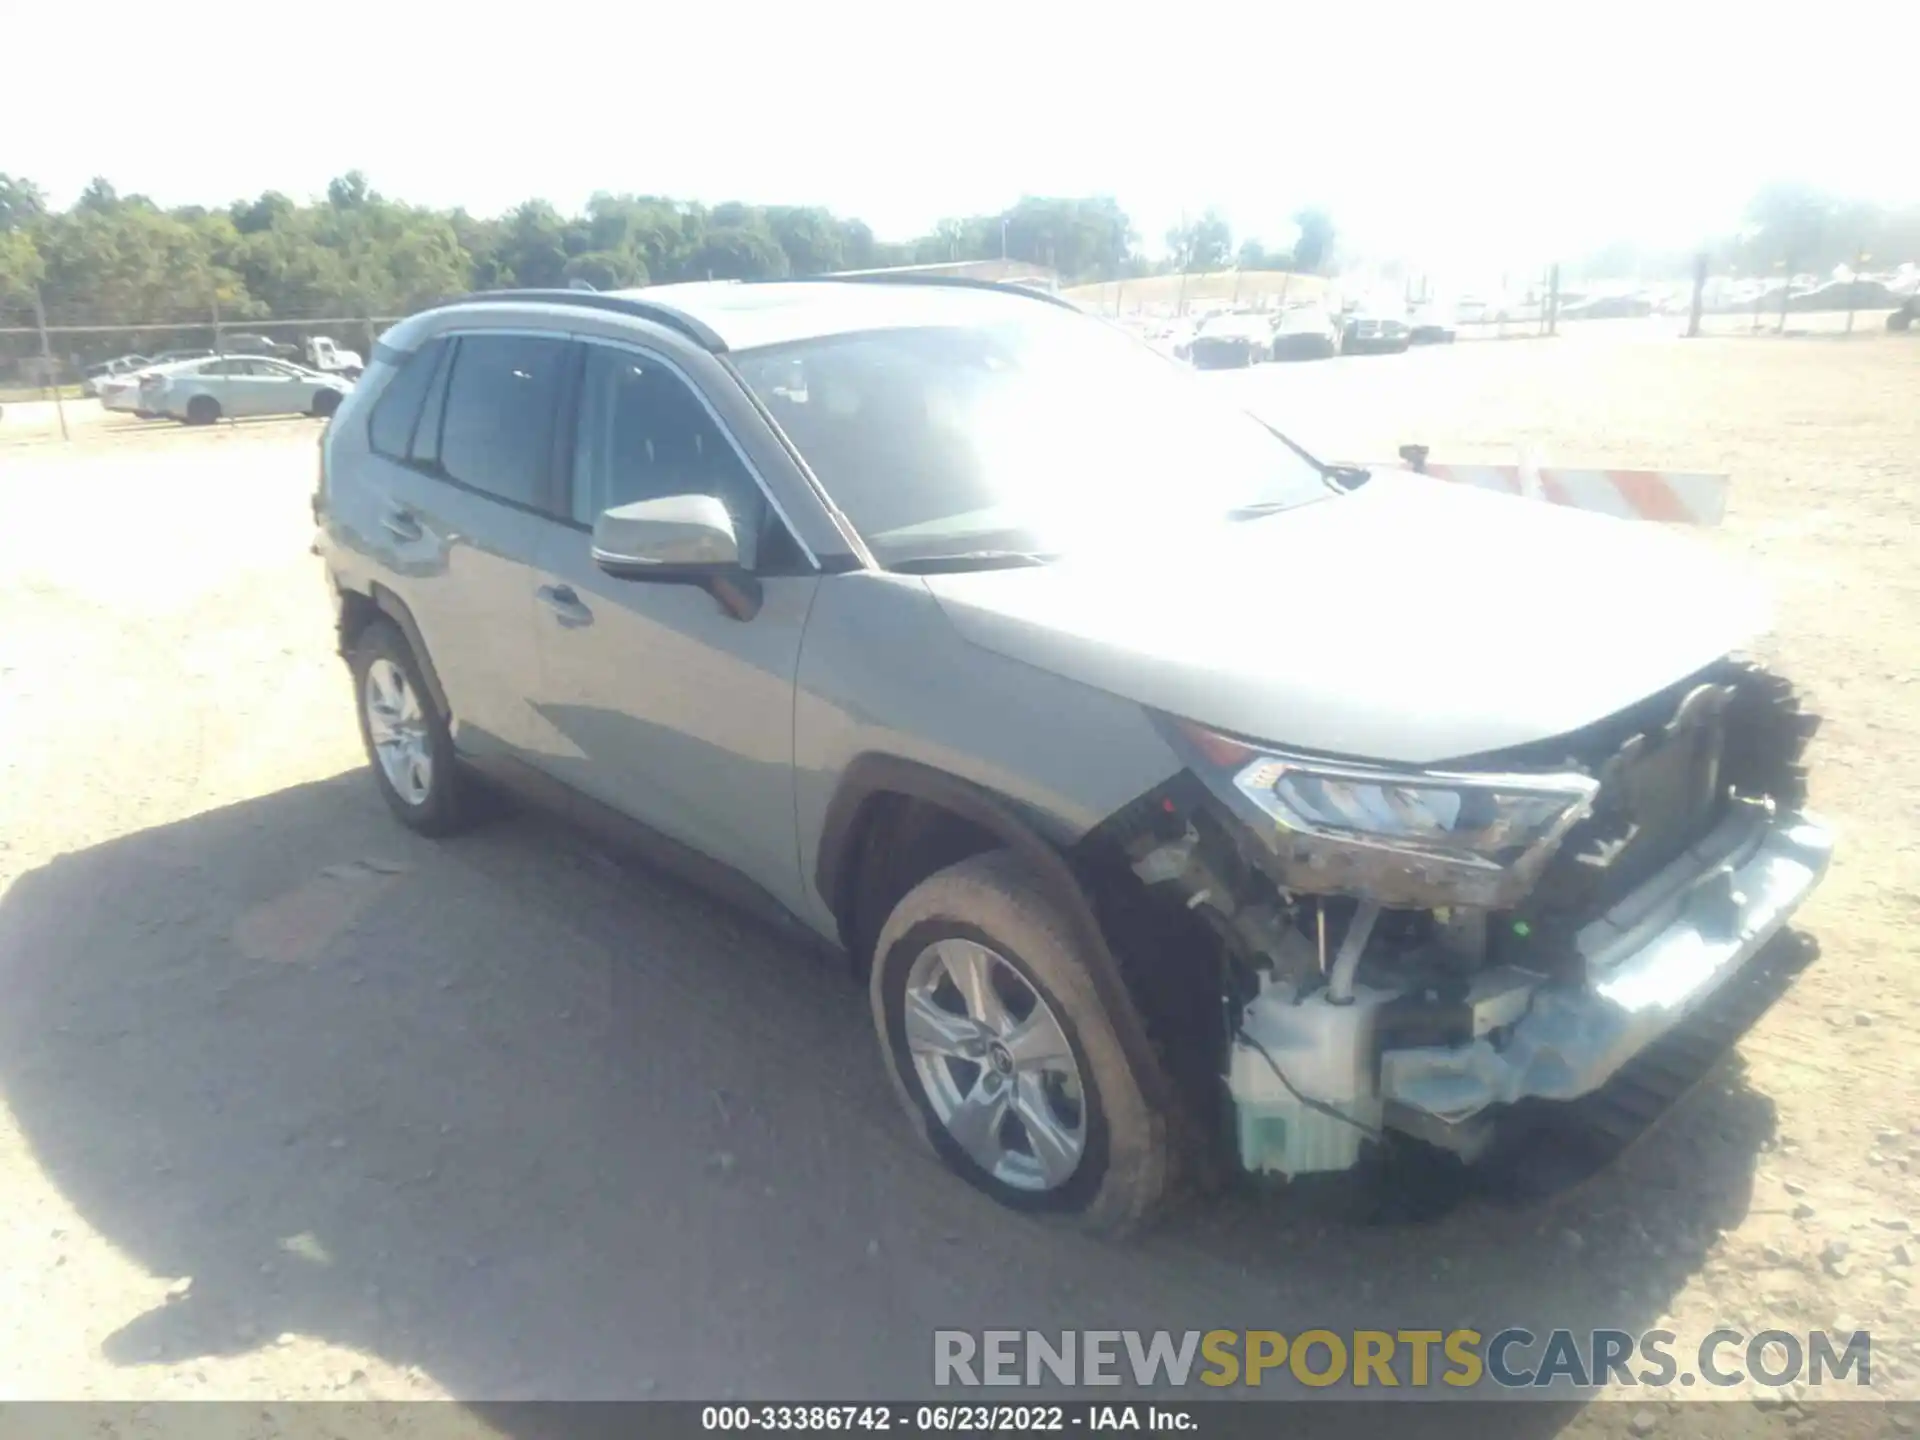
(577, 284)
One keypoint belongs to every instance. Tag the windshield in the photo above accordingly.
(1038, 435)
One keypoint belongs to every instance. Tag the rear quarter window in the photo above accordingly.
(397, 410)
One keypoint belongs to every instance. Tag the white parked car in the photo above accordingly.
(233, 386)
(131, 393)
(110, 370)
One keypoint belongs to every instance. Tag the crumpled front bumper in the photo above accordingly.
(1650, 962)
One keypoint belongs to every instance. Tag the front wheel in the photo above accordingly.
(1006, 1057)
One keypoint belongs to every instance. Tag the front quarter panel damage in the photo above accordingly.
(1369, 991)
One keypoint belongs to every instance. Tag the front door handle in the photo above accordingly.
(565, 605)
(402, 524)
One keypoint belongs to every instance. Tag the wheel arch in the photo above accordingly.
(892, 822)
(358, 610)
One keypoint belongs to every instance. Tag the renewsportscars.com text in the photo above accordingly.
(1512, 1358)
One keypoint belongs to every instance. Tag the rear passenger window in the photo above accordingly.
(496, 430)
(390, 431)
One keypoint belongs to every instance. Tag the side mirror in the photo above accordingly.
(678, 537)
(677, 540)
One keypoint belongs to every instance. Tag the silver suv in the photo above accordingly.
(1189, 804)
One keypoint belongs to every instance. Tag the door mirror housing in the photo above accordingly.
(678, 540)
(678, 537)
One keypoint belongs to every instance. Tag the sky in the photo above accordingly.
(1448, 134)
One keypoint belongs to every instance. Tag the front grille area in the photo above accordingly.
(1666, 768)
(1659, 792)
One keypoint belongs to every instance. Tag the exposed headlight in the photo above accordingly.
(1406, 836)
(1489, 820)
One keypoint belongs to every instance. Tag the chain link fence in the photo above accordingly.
(55, 355)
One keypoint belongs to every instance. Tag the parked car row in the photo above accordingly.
(120, 377)
(201, 389)
(1312, 332)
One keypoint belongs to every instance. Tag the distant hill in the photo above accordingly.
(1163, 292)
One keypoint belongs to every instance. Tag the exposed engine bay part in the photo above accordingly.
(1369, 987)
(1347, 964)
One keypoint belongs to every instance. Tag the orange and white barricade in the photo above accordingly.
(1675, 497)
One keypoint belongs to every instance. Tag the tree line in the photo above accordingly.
(111, 258)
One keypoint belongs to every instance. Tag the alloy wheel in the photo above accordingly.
(995, 1065)
(397, 726)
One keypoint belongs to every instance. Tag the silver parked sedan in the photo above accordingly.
(245, 385)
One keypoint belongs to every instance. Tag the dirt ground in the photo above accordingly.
(298, 1105)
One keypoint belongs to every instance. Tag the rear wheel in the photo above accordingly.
(325, 402)
(1004, 1054)
(202, 410)
(406, 737)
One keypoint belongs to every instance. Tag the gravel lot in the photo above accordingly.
(298, 1105)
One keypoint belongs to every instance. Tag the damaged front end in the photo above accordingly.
(1419, 951)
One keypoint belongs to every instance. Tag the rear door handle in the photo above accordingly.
(565, 605)
(402, 524)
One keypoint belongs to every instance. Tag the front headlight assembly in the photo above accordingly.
(1402, 837)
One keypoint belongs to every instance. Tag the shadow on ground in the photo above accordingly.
(546, 1125)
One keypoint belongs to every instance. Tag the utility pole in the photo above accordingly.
(1180, 304)
(1699, 295)
(1853, 287)
(46, 358)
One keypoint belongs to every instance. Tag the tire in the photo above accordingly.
(202, 410)
(325, 402)
(384, 670)
(146, 414)
(987, 915)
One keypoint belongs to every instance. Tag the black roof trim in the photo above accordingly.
(702, 335)
(908, 277)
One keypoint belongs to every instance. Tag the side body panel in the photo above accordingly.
(883, 672)
(463, 564)
(654, 700)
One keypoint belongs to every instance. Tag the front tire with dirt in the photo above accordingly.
(1005, 1056)
(408, 743)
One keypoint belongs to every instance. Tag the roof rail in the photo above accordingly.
(957, 282)
(653, 310)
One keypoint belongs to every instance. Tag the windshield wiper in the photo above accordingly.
(1260, 507)
(1347, 477)
(969, 560)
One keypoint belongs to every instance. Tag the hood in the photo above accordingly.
(1410, 621)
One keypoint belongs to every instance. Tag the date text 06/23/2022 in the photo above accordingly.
(965, 1419)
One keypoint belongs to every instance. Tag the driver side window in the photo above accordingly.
(644, 435)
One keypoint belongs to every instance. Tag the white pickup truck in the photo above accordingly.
(332, 359)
